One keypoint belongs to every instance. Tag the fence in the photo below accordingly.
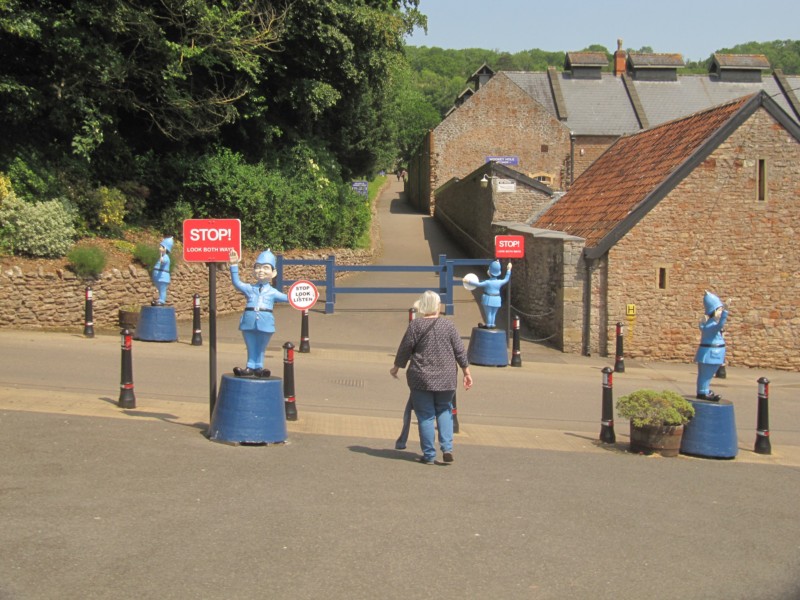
(445, 269)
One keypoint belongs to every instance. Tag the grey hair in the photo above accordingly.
(428, 303)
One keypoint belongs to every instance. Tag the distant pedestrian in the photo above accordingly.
(434, 350)
(399, 173)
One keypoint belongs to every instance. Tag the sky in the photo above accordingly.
(692, 28)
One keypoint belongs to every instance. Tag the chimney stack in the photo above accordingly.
(619, 59)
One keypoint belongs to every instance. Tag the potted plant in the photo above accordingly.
(657, 420)
(129, 317)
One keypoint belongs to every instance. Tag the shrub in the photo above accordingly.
(44, 229)
(147, 255)
(87, 261)
(172, 219)
(650, 408)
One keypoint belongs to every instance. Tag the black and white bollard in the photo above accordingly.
(516, 357)
(607, 435)
(127, 399)
(619, 363)
(288, 382)
(455, 415)
(763, 445)
(412, 314)
(88, 318)
(197, 334)
(305, 346)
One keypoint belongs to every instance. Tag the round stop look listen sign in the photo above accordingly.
(303, 295)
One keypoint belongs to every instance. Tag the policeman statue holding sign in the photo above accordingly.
(257, 323)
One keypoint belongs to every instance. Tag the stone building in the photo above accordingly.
(552, 125)
(709, 201)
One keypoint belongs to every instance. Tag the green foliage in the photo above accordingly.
(148, 255)
(294, 203)
(32, 179)
(44, 229)
(173, 217)
(650, 408)
(87, 261)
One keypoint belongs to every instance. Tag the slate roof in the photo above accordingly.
(638, 170)
(600, 107)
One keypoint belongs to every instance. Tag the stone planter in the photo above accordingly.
(664, 440)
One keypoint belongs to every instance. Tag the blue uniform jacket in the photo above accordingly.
(161, 270)
(491, 289)
(712, 345)
(261, 298)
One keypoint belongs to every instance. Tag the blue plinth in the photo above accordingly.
(488, 347)
(712, 431)
(249, 411)
(157, 324)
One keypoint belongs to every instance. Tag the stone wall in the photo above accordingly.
(712, 232)
(56, 300)
(500, 119)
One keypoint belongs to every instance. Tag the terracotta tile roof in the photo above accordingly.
(629, 172)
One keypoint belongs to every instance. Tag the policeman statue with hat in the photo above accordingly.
(257, 323)
(711, 352)
(160, 275)
(491, 299)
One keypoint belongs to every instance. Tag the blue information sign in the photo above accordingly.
(503, 160)
(361, 187)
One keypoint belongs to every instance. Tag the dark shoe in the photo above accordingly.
(154, 303)
(426, 461)
(481, 326)
(709, 397)
(243, 372)
(262, 373)
(447, 457)
(398, 445)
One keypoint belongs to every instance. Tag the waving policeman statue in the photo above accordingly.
(491, 299)
(711, 352)
(160, 275)
(257, 323)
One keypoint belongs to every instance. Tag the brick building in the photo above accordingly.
(552, 125)
(708, 201)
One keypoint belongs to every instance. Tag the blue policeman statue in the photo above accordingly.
(491, 299)
(711, 352)
(257, 323)
(160, 275)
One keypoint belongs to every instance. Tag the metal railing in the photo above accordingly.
(445, 269)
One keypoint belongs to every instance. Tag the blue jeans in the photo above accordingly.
(429, 406)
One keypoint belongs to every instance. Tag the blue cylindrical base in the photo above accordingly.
(249, 411)
(157, 324)
(712, 431)
(488, 347)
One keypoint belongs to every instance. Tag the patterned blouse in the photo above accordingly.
(436, 351)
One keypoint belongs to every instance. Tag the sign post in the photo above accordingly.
(509, 246)
(303, 295)
(211, 241)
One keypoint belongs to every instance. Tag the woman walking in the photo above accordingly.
(435, 351)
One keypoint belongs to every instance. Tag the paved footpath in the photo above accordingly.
(101, 502)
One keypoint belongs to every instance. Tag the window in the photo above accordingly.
(662, 278)
(761, 180)
(545, 178)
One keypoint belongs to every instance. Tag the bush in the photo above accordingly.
(147, 255)
(646, 408)
(87, 261)
(172, 218)
(44, 229)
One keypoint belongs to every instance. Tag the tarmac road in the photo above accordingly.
(100, 502)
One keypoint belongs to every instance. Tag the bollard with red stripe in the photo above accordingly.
(197, 334)
(607, 435)
(412, 314)
(305, 346)
(288, 382)
(619, 363)
(516, 357)
(455, 415)
(127, 399)
(88, 318)
(763, 445)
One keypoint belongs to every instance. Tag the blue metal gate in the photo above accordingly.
(445, 269)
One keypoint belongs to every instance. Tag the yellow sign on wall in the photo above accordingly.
(630, 310)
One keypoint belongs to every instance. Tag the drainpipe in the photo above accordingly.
(587, 308)
(571, 158)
